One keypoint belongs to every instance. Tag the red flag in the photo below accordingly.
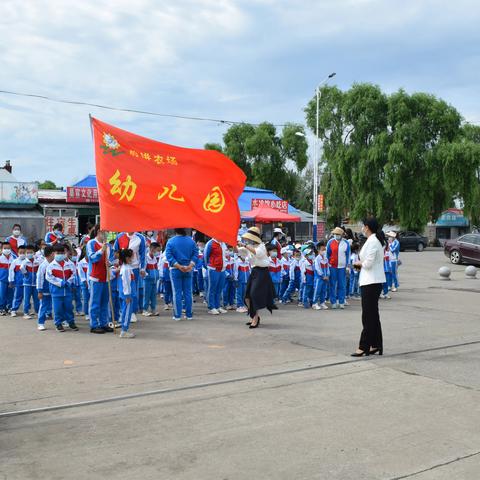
(148, 185)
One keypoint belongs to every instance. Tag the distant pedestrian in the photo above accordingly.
(371, 278)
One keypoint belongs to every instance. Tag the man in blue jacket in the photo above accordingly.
(182, 255)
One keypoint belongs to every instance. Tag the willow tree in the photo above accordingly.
(403, 158)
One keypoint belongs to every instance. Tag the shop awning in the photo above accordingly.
(268, 215)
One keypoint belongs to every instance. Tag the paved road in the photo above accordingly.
(211, 399)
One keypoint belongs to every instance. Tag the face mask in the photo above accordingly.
(149, 234)
(29, 256)
(7, 253)
(16, 233)
(74, 259)
(311, 256)
(157, 254)
(289, 254)
(42, 251)
(337, 237)
(59, 257)
(297, 259)
(273, 254)
(201, 249)
(21, 256)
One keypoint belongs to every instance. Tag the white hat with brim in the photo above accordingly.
(253, 234)
(391, 234)
(278, 230)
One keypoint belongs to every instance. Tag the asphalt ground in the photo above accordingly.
(211, 399)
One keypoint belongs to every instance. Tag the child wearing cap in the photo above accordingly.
(275, 269)
(322, 273)
(307, 271)
(394, 248)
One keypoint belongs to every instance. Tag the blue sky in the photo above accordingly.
(250, 60)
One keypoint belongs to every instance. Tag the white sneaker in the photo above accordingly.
(166, 307)
(146, 314)
(133, 319)
(394, 289)
(324, 306)
(154, 314)
(81, 314)
(346, 304)
(316, 306)
(87, 318)
(214, 311)
(201, 294)
(341, 306)
(65, 324)
(388, 297)
(27, 316)
(176, 319)
(13, 313)
(189, 318)
(124, 334)
(230, 307)
(41, 327)
(222, 310)
(242, 310)
(334, 306)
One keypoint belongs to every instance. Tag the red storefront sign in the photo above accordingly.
(321, 203)
(280, 205)
(82, 195)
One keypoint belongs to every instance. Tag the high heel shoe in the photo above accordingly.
(363, 354)
(376, 350)
(254, 326)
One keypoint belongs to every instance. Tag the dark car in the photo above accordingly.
(463, 249)
(412, 241)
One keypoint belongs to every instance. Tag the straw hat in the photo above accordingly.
(253, 234)
(391, 234)
(338, 231)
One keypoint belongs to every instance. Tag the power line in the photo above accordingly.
(129, 110)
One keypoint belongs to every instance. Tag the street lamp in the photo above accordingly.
(316, 159)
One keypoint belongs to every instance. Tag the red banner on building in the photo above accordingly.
(280, 205)
(82, 195)
(320, 203)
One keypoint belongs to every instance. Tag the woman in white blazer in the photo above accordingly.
(372, 277)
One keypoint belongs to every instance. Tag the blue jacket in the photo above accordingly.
(182, 250)
(61, 277)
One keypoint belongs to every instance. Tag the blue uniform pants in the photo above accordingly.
(45, 308)
(182, 283)
(308, 290)
(321, 291)
(354, 288)
(394, 274)
(136, 295)
(85, 297)
(229, 292)
(77, 297)
(292, 286)
(167, 291)
(150, 286)
(276, 288)
(30, 292)
(17, 297)
(216, 281)
(241, 287)
(6, 296)
(125, 313)
(338, 279)
(283, 288)
(388, 282)
(116, 307)
(98, 306)
(62, 309)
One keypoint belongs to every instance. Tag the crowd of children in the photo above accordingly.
(54, 280)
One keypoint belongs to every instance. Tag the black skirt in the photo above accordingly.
(260, 291)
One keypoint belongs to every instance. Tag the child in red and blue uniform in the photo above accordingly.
(82, 274)
(215, 262)
(61, 276)
(275, 269)
(241, 274)
(295, 277)
(16, 239)
(285, 264)
(338, 254)
(43, 288)
(229, 288)
(52, 238)
(388, 272)
(151, 280)
(15, 278)
(127, 291)
(322, 274)
(6, 293)
(308, 277)
(29, 269)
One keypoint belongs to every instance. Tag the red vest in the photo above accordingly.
(216, 257)
(99, 269)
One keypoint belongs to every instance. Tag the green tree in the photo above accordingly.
(47, 185)
(400, 157)
(269, 160)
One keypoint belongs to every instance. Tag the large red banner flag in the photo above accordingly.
(148, 185)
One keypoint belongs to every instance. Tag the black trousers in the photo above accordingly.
(372, 329)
